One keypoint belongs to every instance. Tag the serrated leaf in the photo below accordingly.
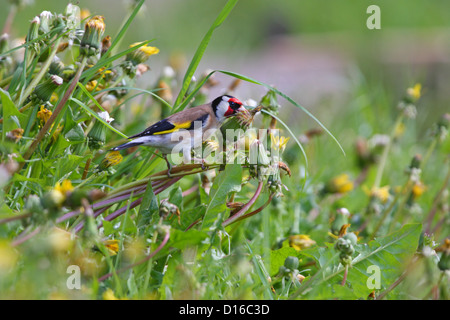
(76, 134)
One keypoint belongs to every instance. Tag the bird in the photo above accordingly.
(194, 125)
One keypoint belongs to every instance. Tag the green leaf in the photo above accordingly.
(10, 114)
(201, 49)
(76, 134)
(183, 239)
(67, 164)
(227, 181)
(277, 258)
(148, 210)
(108, 228)
(176, 197)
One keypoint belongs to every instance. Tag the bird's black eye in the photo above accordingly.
(234, 105)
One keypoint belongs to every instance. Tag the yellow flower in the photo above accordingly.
(54, 98)
(141, 54)
(340, 184)
(109, 295)
(65, 187)
(44, 114)
(343, 230)
(381, 193)
(112, 246)
(111, 159)
(147, 50)
(415, 92)
(300, 241)
(418, 189)
(57, 132)
(91, 85)
(279, 142)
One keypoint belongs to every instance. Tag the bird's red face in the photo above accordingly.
(234, 105)
(226, 106)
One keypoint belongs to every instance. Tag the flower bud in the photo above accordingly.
(56, 67)
(46, 21)
(270, 102)
(351, 237)
(97, 135)
(291, 263)
(137, 57)
(93, 31)
(344, 246)
(43, 91)
(33, 33)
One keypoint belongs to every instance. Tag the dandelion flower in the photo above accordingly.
(111, 159)
(381, 193)
(340, 184)
(141, 54)
(44, 114)
(112, 246)
(415, 92)
(301, 241)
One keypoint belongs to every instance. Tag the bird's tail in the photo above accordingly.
(127, 145)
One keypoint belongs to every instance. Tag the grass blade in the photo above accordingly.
(201, 49)
(94, 114)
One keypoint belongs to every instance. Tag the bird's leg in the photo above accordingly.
(169, 165)
(198, 160)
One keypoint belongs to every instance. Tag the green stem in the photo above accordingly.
(386, 152)
(40, 75)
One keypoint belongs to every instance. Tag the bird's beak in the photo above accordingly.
(243, 110)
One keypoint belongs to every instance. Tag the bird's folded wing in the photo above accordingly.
(166, 126)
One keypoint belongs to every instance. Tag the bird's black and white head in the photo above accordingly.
(226, 106)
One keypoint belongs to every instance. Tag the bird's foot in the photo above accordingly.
(202, 161)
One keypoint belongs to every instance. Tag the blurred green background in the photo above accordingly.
(318, 52)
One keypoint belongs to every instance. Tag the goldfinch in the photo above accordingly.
(193, 126)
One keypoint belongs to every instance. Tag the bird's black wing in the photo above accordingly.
(160, 126)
